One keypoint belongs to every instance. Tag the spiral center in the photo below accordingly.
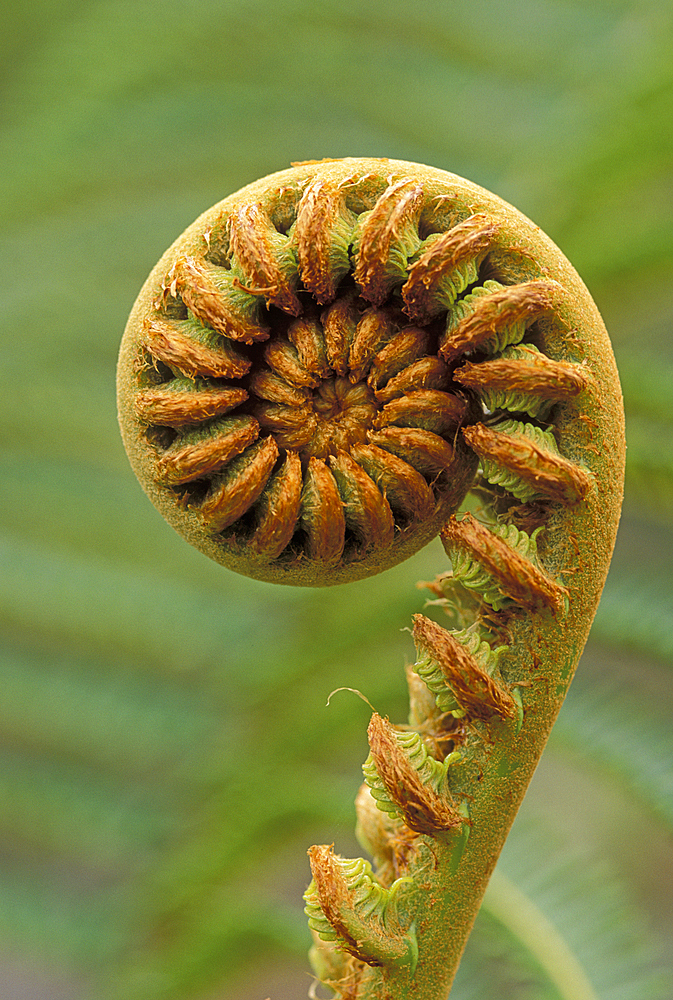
(344, 413)
(323, 429)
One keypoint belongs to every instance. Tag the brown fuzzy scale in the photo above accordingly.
(333, 896)
(367, 512)
(497, 311)
(293, 427)
(439, 412)
(321, 209)
(466, 242)
(308, 339)
(344, 974)
(426, 373)
(202, 288)
(375, 330)
(516, 576)
(404, 488)
(322, 514)
(185, 463)
(237, 488)
(362, 933)
(548, 474)
(170, 341)
(340, 323)
(406, 347)
(423, 810)
(254, 245)
(165, 407)
(537, 375)
(281, 356)
(398, 208)
(268, 385)
(425, 451)
(477, 693)
(278, 510)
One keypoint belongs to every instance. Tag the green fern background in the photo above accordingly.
(167, 756)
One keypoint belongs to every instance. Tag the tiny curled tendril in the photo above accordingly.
(353, 691)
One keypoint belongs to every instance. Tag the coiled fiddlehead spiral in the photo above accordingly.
(312, 380)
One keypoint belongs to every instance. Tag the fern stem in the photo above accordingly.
(357, 448)
(519, 914)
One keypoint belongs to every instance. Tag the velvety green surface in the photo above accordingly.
(166, 754)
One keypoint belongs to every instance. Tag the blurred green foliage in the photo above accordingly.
(165, 749)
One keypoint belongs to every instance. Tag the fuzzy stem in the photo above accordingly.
(458, 331)
(538, 597)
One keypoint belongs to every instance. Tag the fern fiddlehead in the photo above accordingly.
(312, 380)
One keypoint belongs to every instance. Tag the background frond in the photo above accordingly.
(601, 944)
(627, 739)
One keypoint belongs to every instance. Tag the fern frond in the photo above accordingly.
(513, 334)
(602, 728)
(430, 772)
(469, 572)
(100, 606)
(647, 382)
(72, 810)
(114, 720)
(42, 915)
(635, 613)
(499, 475)
(595, 924)
(649, 468)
